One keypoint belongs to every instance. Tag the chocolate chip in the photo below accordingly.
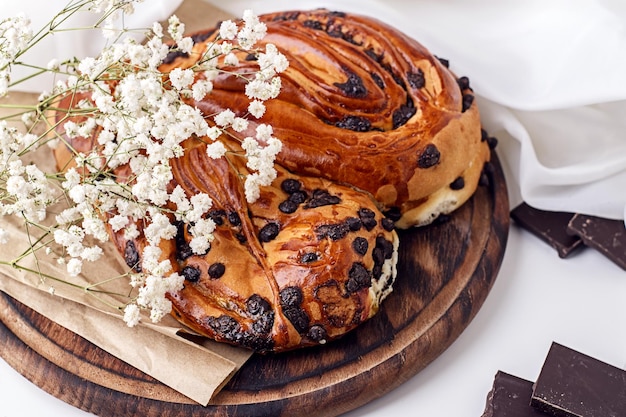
(201, 36)
(403, 114)
(483, 135)
(263, 324)
(322, 198)
(288, 207)
(378, 255)
(298, 318)
(353, 223)
(358, 277)
(360, 245)
(388, 224)
(444, 62)
(217, 216)
(309, 257)
(333, 231)
(216, 270)
(464, 83)
(257, 305)
(191, 273)
(131, 256)
(365, 213)
(353, 87)
(290, 297)
(225, 326)
(379, 81)
(290, 185)
(368, 219)
(234, 219)
(269, 232)
(298, 197)
(393, 213)
(241, 238)
(457, 184)
(183, 250)
(429, 157)
(416, 79)
(385, 245)
(313, 24)
(468, 99)
(173, 54)
(355, 123)
(317, 333)
(492, 142)
(251, 57)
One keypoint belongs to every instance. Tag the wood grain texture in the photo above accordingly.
(446, 271)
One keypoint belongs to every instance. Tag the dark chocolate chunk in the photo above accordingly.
(313, 24)
(322, 198)
(355, 123)
(365, 213)
(468, 99)
(241, 238)
(403, 114)
(217, 216)
(358, 277)
(290, 297)
(269, 232)
(379, 81)
(510, 397)
(201, 36)
(288, 207)
(183, 250)
(257, 305)
(290, 185)
(572, 384)
(429, 157)
(131, 256)
(332, 231)
(607, 236)
(368, 218)
(549, 226)
(385, 245)
(317, 333)
(353, 87)
(353, 223)
(173, 54)
(225, 326)
(416, 79)
(393, 213)
(464, 83)
(360, 245)
(309, 257)
(234, 219)
(298, 318)
(298, 197)
(388, 224)
(217, 270)
(444, 62)
(251, 57)
(457, 184)
(492, 142)
(263, 324)
(191, 273)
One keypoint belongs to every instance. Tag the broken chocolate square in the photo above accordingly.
(607, 236)
(572, 384)
(549, 226)
(510, 397)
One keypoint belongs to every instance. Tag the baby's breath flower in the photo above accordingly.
(132, 315)
(215, 150)
(256, 108)
(228, 30)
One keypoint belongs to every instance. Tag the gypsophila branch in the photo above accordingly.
(137, 116)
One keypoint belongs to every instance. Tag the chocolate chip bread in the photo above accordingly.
(377, 133)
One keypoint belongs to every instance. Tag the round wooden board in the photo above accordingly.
(445, 273)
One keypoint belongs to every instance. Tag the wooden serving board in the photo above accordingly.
(445, 273)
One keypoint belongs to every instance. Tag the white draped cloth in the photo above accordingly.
(550, 76)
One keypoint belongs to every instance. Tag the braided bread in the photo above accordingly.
(377, 133)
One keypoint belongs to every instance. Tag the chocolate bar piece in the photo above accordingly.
(605, 235)
(549, 226)
(572, 384)
(510, 397)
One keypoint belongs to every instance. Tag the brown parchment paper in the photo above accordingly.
(198, 371)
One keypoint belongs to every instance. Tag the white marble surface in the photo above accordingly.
(536, 299)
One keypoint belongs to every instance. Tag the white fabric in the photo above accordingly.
(550, 76)
(551, 81)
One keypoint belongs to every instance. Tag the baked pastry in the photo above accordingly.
(363, 104)
(377, 133)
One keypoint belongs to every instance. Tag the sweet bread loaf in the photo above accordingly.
(377, 133)
(363, 104)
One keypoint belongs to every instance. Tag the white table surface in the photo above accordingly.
(536, 299)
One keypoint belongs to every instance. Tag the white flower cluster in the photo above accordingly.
(139, 118)
(15, 34)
